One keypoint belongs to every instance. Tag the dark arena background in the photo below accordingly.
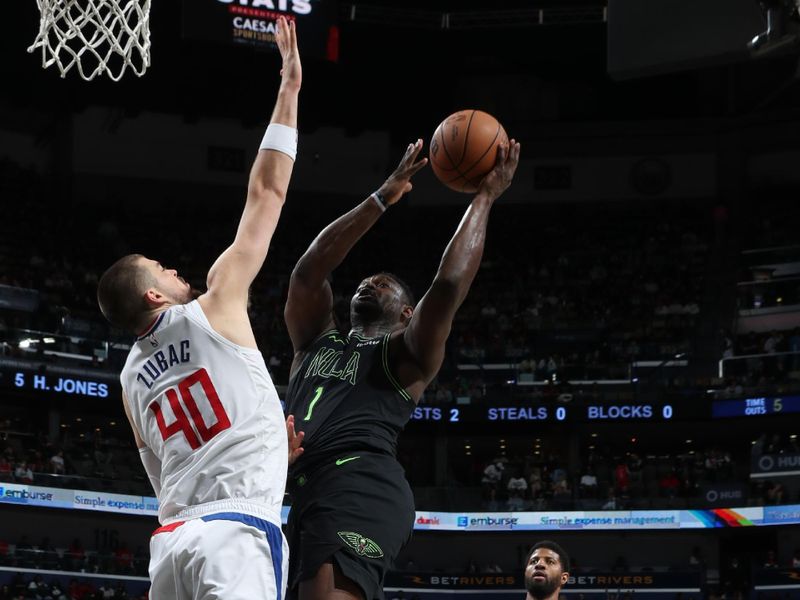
(624, 376)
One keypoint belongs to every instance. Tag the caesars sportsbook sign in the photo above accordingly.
(252, 23)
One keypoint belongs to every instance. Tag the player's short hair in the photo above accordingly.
(408, 295)
(563, 557)
(120, 292)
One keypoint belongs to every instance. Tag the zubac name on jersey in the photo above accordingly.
(162, 360)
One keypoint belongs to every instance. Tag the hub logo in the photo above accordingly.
(463, 521)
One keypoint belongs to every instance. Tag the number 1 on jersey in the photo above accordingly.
(317, 395)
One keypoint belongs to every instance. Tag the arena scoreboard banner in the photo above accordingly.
(510, 414)
(761, 406)
(252, 23)
(44, 381)
(38, 377)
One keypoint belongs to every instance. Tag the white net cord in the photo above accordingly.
(96, 35)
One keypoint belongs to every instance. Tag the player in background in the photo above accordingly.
(350, 393)
(546, 571)
(204, 411)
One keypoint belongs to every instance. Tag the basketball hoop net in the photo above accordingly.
(96, 35)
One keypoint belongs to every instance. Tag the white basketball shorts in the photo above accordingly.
(221, 556)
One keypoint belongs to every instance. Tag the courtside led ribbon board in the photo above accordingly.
(750, 516)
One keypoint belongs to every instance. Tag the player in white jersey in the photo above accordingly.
(204, 411)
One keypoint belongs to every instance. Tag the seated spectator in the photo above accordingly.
(82, 589)
(611, 501)
(443, 395)
(588, 484)
(562, 495)
(696, 559)
(516, 492)
(123, 559)
(490, 481)
(492, 475)
(772, 342)
(106, 590)
(57, 463)
(75, 555)
(770, 562)
(774, 493)
(558, 475)
(56, 593)
(622, 478)
(527, 365)
(493, 567)
(23, 473)
(5, 469)
(669, 484)
(535, 484)
(635, 465)
(37, 588)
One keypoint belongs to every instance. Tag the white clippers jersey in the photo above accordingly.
(208, 410)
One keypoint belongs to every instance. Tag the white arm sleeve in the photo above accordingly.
(153, 468)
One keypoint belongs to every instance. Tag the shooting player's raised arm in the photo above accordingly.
(309, 307)
(419, 350)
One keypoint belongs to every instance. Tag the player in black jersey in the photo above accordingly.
(350, 393)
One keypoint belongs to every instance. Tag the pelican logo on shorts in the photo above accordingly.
(362, 545)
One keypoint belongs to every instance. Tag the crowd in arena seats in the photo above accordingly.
(632, 481)
(50, 587)
(768, 358)
(766, 491)
(64, 555)
(81, 458)
(570, 300)
(611, 480)
(559, 300)
(605, 478)
(775, 225)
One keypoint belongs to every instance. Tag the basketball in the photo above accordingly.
(464, 149)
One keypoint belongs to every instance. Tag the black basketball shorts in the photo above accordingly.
(356, 511)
